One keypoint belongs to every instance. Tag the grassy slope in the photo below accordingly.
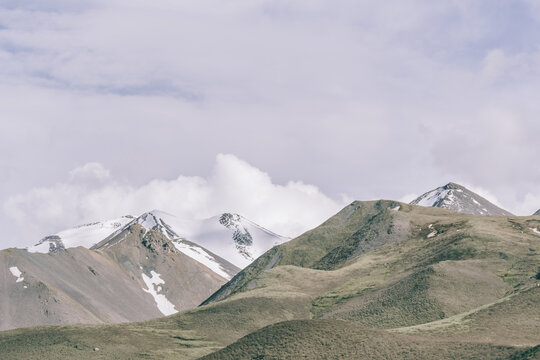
(335, 339)
(384, 273)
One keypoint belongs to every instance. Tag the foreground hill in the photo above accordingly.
(383, 277)
(337, 339)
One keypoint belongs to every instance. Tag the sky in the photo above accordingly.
(283, 111)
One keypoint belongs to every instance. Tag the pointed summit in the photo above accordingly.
(458, 198)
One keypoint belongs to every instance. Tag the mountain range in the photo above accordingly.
(126, 269)
(379, 280)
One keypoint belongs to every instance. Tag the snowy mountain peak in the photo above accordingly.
(537, 213)
(458, 198)
(235, 238)
(86, 235)
(153, 220)
(231, 236)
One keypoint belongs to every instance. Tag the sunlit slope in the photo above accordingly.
(377, 246)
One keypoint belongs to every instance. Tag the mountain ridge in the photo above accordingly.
(147, 260)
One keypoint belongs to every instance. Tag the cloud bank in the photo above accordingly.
(91, 194)
(371, 99)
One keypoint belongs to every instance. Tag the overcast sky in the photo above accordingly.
(281, 110)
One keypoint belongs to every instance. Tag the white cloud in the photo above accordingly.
(89, 172)
(234, 186)
(343, 94)
(529, 205)
(494, 64)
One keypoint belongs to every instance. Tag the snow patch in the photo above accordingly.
(535, 230)
(203, 257)
(396, 208)
(40, 248)
(432, 197)
(432, 234)
(163, 304)
(17, 273)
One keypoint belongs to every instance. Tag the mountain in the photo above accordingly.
(378, 280)
(537, 213)
(137, 274)
(235, 238)
(232, 236)
(126, 269)
(458, 198)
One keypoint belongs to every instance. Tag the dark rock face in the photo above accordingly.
(241, 235)
(55, 243)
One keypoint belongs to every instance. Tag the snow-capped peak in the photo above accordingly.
(235, 238)
(458, 198)
(432, 198)
(231, 236)
(86, 235)
(153, 220)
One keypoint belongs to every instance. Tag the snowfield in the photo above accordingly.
(154, 287)
(86, 235)
(203, 257)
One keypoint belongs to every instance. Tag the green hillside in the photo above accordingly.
(334, 339)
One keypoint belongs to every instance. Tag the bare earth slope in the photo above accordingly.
(135, 275)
